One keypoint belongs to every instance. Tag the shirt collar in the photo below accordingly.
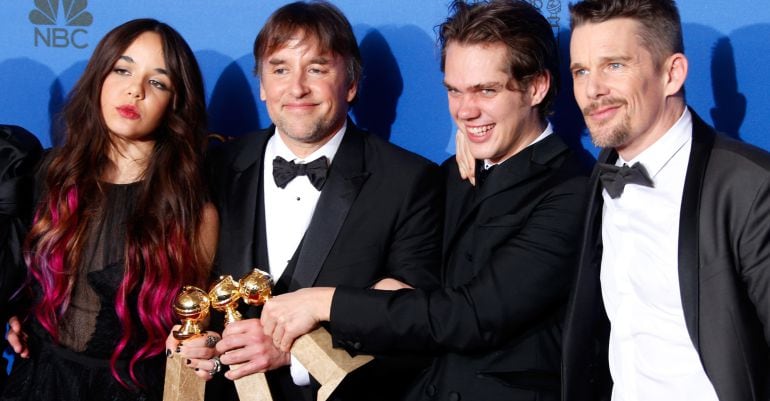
(547, 131)
(655, 157)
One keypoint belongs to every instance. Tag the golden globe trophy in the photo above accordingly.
(314, 350)
(224, 295)
(191, 305)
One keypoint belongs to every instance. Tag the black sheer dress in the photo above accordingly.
(78, 367)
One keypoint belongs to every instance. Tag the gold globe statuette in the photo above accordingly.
(191, 305)
(314, 350)
(256, 287)
(224, 296)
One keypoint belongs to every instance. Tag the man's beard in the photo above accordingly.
(617, 135)
(316, 133)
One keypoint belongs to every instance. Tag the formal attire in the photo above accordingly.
(19, 153)
(77, 366)
(679, 272)
(378, 215)
(509, 253)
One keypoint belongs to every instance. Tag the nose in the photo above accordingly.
(298, 85)
(595, 86)
(135, 89)
(467, 109)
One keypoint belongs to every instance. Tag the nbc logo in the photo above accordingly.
(50, 15)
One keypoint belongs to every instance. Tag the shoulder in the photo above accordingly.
(380, 153)
(729, 153)
(223, 155)
(21, 151)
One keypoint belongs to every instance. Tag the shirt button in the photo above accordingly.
(454, 396)
(430, 390)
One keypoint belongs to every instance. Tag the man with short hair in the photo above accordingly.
(672, 297)
(510, 243)
(317, 201)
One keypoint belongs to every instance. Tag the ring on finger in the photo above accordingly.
(217, 366)
(211, 341)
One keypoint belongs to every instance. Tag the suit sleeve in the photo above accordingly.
(754, 252)
(527, 277)
(414, 254)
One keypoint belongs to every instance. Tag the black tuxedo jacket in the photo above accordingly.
(724, 274)
(510, 248)
(20, 151)
(379, 215)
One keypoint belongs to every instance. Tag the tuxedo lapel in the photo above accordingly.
(345, 179)
(243, 207)
(459, 195)
(702, 143)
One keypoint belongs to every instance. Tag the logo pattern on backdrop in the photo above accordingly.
(59, 23)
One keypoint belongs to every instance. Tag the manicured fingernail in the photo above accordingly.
(168, 353)
(187, 361)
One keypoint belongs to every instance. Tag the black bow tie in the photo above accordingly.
(285, 171)
(615, 178)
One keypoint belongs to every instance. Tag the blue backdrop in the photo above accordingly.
(45, 45)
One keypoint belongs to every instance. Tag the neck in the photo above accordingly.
(129, 161)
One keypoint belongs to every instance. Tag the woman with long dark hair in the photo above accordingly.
(122, 222)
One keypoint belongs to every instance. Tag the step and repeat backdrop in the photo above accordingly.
(45, 45)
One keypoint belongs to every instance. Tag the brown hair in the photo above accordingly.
(318, 20)
(662, 27)
(519, 26)
(162, 231)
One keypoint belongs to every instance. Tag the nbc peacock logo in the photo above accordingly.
(59, 23)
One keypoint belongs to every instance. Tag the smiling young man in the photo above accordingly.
(671, 301)
(510, 242)
(316, 201)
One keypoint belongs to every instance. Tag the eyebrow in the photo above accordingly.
(316, 60)
(603, 60)
(128, 59)
(479, 86)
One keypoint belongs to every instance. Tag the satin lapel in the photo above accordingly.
(689, 284)
(591, 257)
(346, 177)
(242, 208)
(593, 233)
(459, 194)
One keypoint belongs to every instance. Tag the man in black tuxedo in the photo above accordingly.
(672, 298)
(510, 243)
(359, 210)
(20, 152)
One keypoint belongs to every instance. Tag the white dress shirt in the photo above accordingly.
(651, 355)
(288, 212)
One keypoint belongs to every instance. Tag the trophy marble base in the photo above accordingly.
(181, 383)
(253, 387)
(328, 365)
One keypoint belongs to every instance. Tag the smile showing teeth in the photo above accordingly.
(479, 131)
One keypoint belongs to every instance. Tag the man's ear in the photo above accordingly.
(352, 91)
(538, 88)
(675, 73)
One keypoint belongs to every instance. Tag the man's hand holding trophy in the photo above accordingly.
(314, 350)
